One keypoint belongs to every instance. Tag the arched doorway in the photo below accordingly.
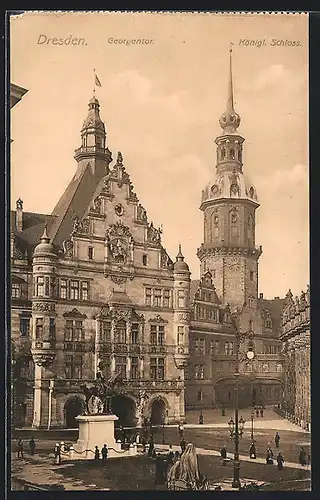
(158, 412)
(72, 408)
(125, 409)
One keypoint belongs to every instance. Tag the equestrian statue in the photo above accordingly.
(99, 393)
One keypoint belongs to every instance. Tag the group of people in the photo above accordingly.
(20, 447)
(259, 410)
(104, 453)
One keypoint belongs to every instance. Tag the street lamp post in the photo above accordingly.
(252, 417)
(236, 427)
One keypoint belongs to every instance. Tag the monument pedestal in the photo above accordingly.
(95, 430)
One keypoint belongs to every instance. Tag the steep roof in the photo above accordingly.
(194, 285)
(74, 201)
(274, 307)
(33, 225)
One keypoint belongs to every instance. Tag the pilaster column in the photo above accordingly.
(37, 396)
(141, 367)
(96, 347)
(113, 364)
(128, 366)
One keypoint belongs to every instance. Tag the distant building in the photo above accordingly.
(295, 338)
(229, 284)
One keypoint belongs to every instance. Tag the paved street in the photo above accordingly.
(138, 473)
(270, 420)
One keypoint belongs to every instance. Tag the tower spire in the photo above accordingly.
(230, 120)
(230, 107)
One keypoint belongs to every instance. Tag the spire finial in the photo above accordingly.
(45, 238)
(180, 254)
(230, 84)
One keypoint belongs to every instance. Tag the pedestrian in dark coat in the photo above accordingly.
(151, 446)
(201, 418)
(302, 456)
(261, 412)
(183, 445)
(223, 453)
(20, 448)
(181, 429)
(252, 451)
(32, 446)
(257, 412)
(104, 453)
(280, 461)
(277, 439)
(269, 458)
(57, 454)
(170, 456)
(96, 453)
(159, 469)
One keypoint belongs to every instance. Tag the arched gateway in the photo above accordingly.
(158, 411)
(73, 407)
(125, 409)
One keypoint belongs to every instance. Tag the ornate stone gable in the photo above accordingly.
(157, 319)
(153, 234)
(80, 226)
(67, 246)
(74, 313)
(127, 313)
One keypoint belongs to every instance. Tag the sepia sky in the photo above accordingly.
(161, 102)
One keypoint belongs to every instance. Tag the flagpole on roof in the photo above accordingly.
(94, 82)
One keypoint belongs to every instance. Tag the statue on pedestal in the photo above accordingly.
(99, 394)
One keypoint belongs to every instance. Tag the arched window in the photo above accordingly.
(232, 154)
(223, 153)
(251, 192)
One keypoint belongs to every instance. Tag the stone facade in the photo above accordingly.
(295, 338)
(96, 286)
(229, 284)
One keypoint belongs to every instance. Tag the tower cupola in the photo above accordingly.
(180, 265)
(45, 247)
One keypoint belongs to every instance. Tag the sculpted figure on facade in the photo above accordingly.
(67, 246)
(141, 213)
(153, 234)
(97, 205)
(166, 262)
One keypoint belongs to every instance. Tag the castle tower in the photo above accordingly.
(43, 318)
(181, 319)
(229, 203)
